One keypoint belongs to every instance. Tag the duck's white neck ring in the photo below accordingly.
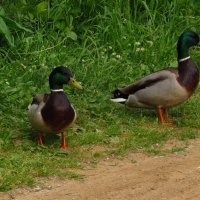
(184, 59)
(57, 90)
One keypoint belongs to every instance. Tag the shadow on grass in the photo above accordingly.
(31, 135)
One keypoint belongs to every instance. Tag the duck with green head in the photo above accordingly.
(165, 88)
(53, 113)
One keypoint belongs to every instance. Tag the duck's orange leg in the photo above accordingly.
(167, 116)
(159, 113)
(63, 143)
(40, 137)
(160, 116)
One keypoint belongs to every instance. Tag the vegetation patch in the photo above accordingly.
(106, 44)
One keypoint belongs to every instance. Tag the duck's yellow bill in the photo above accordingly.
(73, 83)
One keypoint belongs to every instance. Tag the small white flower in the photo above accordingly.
(150, 42)
(137, 43)
(129, 44)
(83, 60)
(140, 49)
(118, 56)
(110, 47)
(114, 54)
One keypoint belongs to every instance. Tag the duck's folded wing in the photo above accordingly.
(41, 98)
(149, 80)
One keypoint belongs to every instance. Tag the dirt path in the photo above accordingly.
(137, 177)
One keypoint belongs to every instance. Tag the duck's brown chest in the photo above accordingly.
(58, 113)
(188, 75)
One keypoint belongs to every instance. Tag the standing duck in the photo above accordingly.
(53, 113)
(165, 88)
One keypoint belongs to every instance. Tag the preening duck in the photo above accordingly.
(53, 113)
(165, 88)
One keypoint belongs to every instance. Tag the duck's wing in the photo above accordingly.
(39, 99)
(150, 80)
(34, 112)
(37, 103)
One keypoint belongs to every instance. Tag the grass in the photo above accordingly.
(113, 49)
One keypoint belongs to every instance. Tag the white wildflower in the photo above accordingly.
(140, 49)
(150, 42)
(118, 56)
(137, 43)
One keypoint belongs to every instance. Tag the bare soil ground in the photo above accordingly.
(137, 176)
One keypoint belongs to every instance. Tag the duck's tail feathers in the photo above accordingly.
(119, 100)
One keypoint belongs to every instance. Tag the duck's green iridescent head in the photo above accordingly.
(185, 41)
(60, 76)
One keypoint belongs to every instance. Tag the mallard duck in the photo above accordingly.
(165, 88)
(53, 113)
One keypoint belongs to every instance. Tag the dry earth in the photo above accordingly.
(136, 177)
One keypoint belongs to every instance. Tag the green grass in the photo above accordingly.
(105, 55)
